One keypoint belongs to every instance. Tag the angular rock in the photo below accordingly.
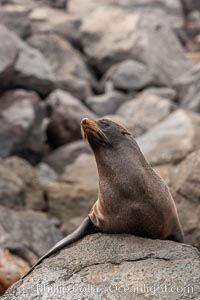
(71, 72)
(80, 8)
(45, 173)
(64, 124)
(105, 104)
(76, 192)
(45, 19)
(26, 233)
(190, 5)
(15, 18)
(34, 194)
(186, 192)
(118, 119)
(12, 189)
(188, 89)
(12, 269)
(173, 139)
(163, 92)
(21, 122)
(129, 76)
(65, 155)
(8, 56)
(58, 3)
(133, 35)
(32, 70)
(115, 267)
(172, 9)
(145, 111)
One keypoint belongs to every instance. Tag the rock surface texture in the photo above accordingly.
(136, 62)
(115, 267)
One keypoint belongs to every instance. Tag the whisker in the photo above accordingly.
(96, 131)
(83, 133)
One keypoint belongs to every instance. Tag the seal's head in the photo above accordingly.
(103, 132)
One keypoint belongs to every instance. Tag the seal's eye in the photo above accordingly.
(104, 125)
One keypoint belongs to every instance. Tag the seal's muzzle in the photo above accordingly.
(90, 130)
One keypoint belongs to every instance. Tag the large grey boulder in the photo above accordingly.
(114, 267)
(129, 76)
(173, 139)
(21, 120)
(15, 18)
(71, 72)
(190, 5)
(75, 193)
(33, 192)
(12, 190)
(46, 19)
(106, 103)
(26, 233)
(145, 111)
(8, 56)
(45, 173)
(172, 9)
(60, 158)
(186, 192)
(188, 87)
(32, 70)
(133, 35)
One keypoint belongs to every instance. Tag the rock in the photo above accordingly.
(190, 5)
(12, 190)
(34, 193)
(117, 119)
(45, 173)
(173, 139)
(8, 56)
(105, 104)
(46, 19)
(129, 76)
(77, 7)
(172, 9)
(12, 269)
(15, 18)
(25, 232)
(76, 192)
(114, 267)
(68, 65)
(32, 70)
(145, 111)
(65, 155)
(162, 92)
(58, 3)
(186, 192)
(64, 124)
(21, 122)
(135, 35)
(167, 173)
(188, 89)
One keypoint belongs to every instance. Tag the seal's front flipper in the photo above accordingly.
(86, 227)
(177, 236)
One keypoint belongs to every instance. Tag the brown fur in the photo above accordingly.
(132, 197)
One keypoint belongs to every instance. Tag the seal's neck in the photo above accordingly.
(122, 167)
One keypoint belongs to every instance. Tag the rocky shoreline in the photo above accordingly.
(136, 62)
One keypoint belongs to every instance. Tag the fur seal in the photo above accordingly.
(132, 198)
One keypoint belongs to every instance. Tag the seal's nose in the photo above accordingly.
(84, 121)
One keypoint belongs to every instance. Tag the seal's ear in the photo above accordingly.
(124, 131)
